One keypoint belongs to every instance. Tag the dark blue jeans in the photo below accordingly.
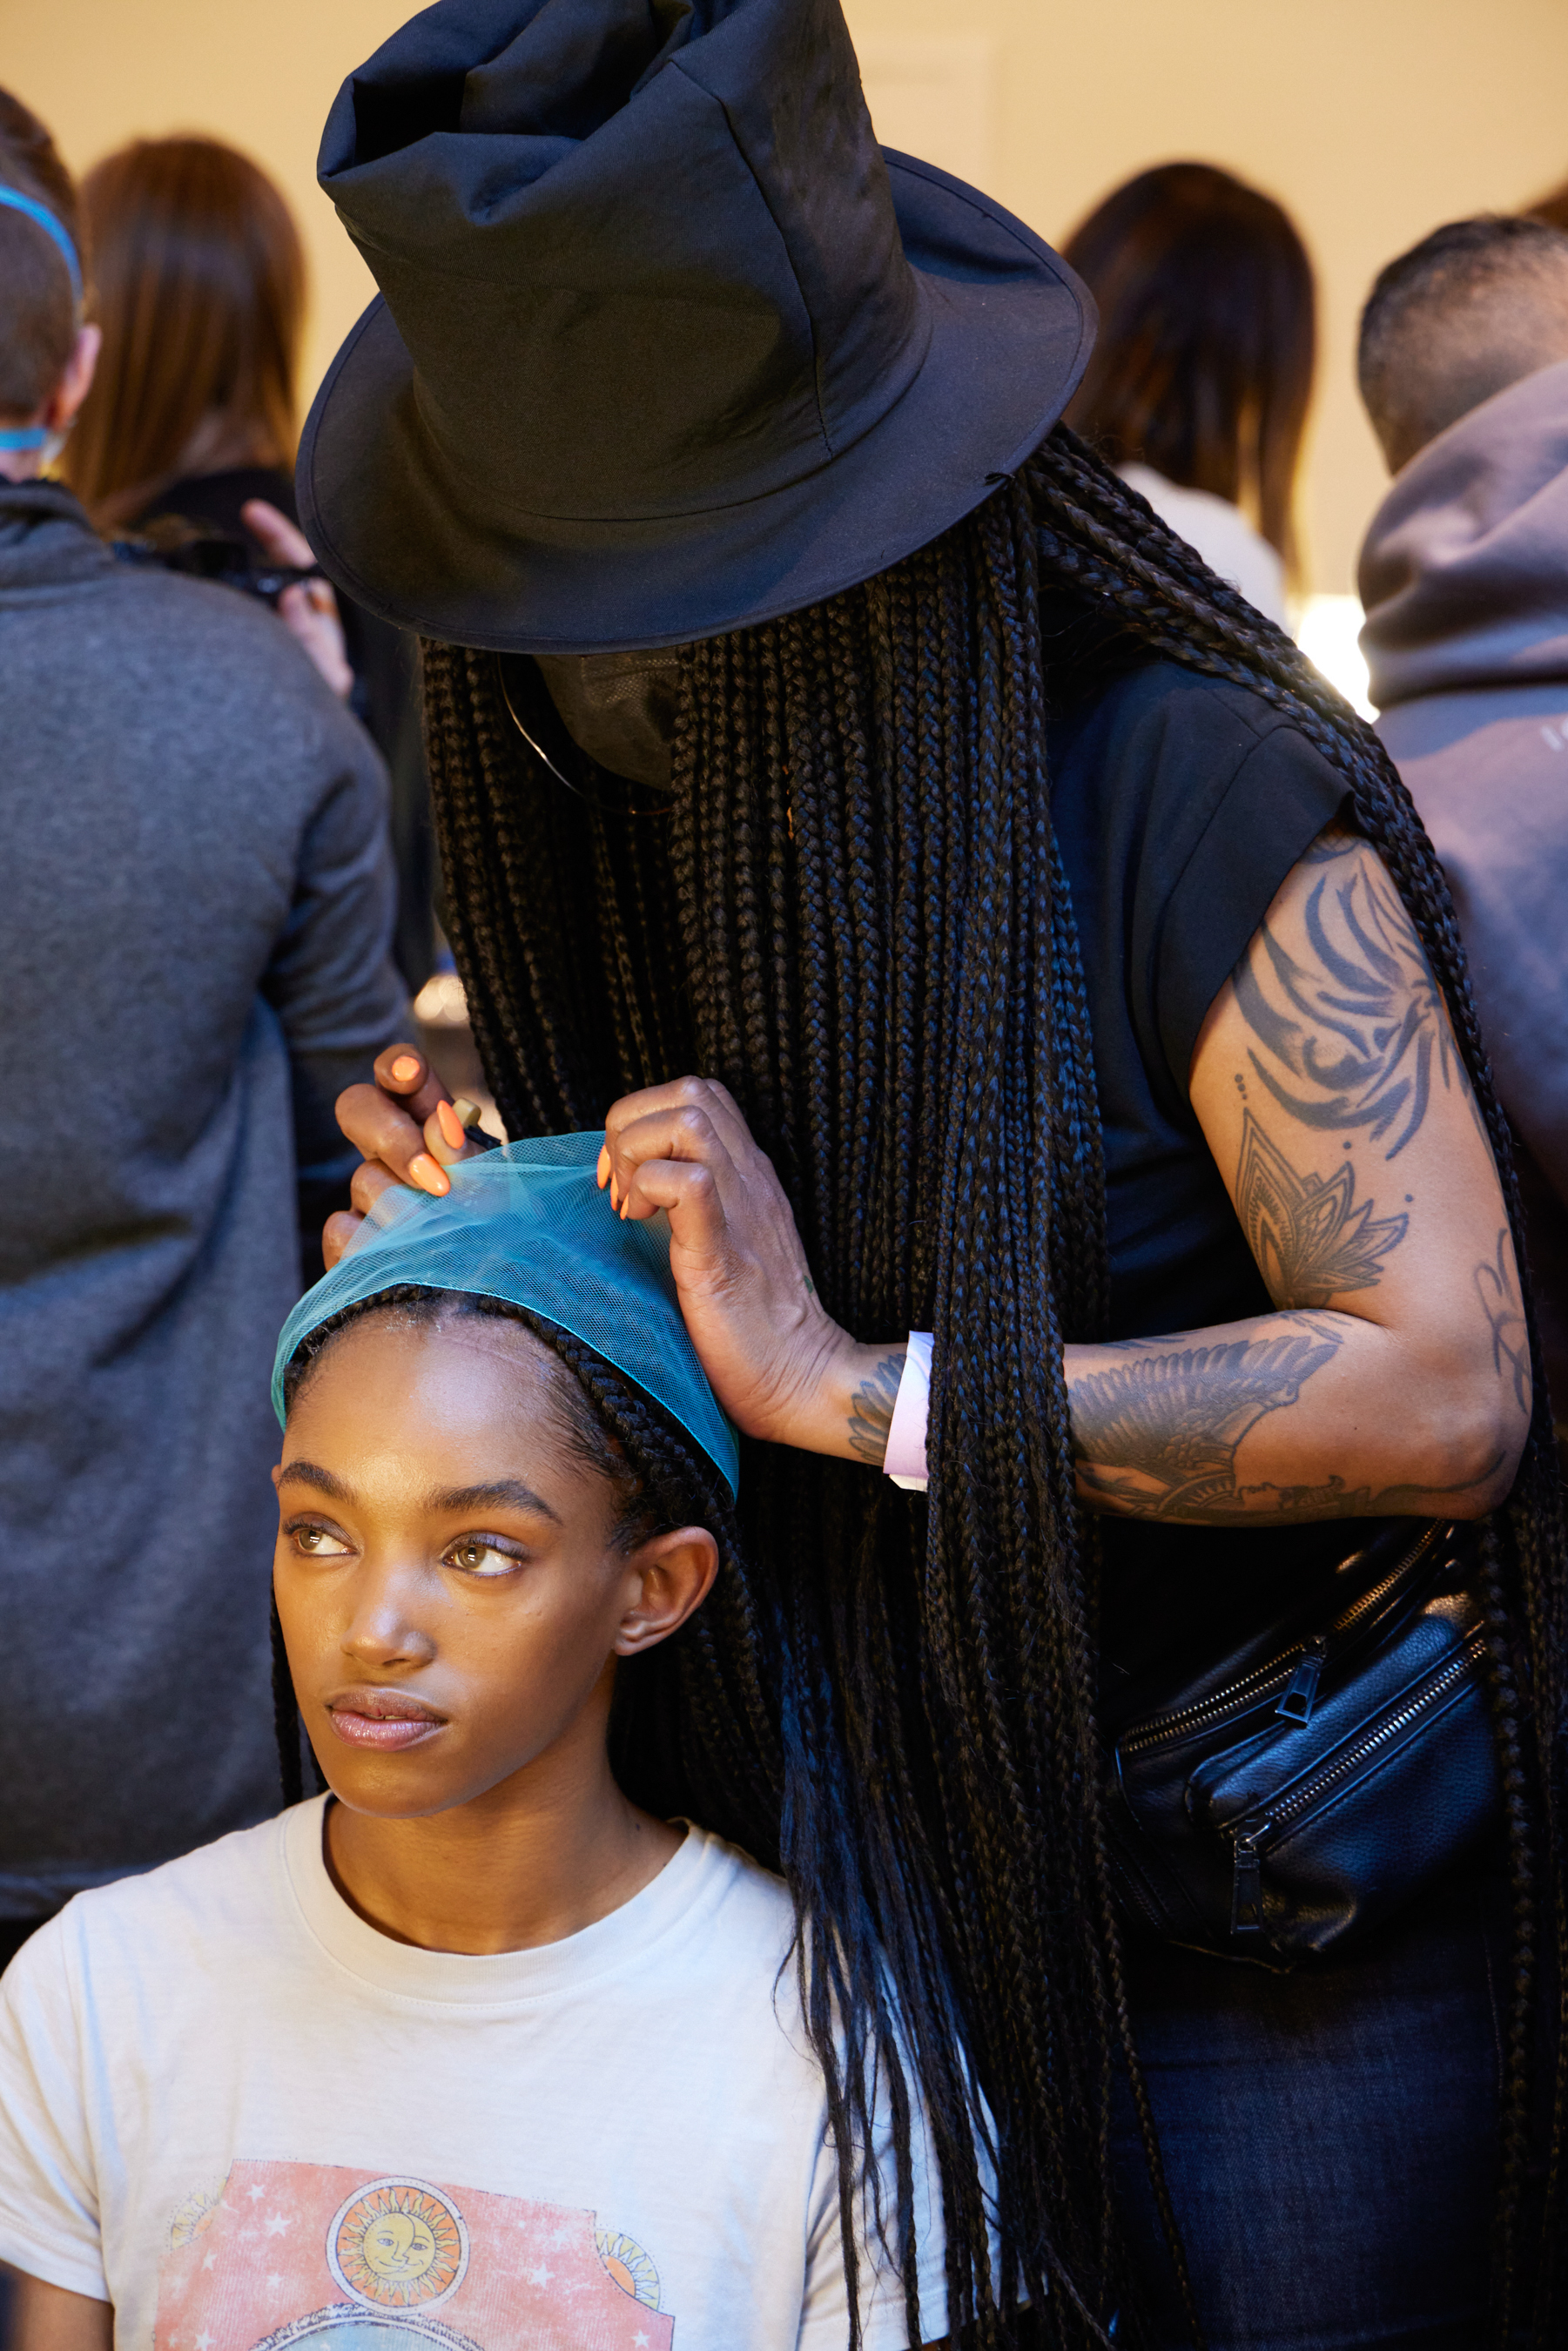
(1328, 2137)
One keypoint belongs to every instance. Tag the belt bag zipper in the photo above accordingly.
(1295, 1672)
(1253, 1838)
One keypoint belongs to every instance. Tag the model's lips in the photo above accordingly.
(383, 1718)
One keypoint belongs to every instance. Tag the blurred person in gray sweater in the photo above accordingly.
(194, 961)
(1463, 574)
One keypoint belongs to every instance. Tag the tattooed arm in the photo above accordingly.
(1393, 1375)
(1396, 1376)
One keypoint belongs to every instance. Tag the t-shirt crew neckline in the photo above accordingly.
(625, 1938)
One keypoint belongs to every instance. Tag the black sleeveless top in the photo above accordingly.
(1180, 804)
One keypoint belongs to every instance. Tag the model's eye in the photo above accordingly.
(318, 1542)
(483, 1555)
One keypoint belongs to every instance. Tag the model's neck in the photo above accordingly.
(21, 465)
(542, 1856)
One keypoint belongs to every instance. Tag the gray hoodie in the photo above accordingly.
(1464, 575)
(198, 899)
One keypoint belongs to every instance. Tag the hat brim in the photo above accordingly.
(1011, 330)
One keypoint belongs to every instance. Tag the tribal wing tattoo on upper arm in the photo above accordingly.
(1358, 1036)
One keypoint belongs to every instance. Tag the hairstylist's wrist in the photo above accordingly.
(845, 1406)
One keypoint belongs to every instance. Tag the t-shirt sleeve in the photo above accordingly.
(48, 2198)
(824, 2316)
(824, 2323)
(1256, 822)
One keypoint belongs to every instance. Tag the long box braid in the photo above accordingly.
(856, 918)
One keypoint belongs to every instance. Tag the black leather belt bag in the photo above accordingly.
(1275, 1805)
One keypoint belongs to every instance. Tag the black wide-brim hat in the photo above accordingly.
(666, 345)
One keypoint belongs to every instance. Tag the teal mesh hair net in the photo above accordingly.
(530, 1223)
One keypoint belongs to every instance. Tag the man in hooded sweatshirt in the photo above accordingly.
(1463, 574)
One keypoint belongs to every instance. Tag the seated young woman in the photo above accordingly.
(497, 2041)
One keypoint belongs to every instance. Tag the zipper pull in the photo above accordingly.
(1302, 1696)
(1247, 1885)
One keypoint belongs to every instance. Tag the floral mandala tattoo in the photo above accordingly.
(1310, 1237)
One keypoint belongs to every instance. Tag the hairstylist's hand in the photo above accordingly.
(308, 610)
(409, 1133)
(779, 1365)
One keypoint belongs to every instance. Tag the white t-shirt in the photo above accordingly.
(246, 2118)
(1222, 536)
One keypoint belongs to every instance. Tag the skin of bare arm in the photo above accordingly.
(49, 2318)
(1394, 1378)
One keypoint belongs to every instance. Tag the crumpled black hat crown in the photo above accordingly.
(663, 346)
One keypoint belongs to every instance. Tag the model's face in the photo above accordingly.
(451, 1599)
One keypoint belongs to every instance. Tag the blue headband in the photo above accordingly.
(53, 226)
(28, 437)
(529, 1223)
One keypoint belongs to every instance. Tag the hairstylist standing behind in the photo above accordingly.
(193, 961)
(807, 710)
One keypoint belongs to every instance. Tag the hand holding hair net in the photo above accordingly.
(528, 1223)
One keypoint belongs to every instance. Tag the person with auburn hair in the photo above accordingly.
(1202, 370)
(199, 285)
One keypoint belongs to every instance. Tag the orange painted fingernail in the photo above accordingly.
(614, 1193)
(604, 1167)
(430, 1177)
(451, 1126)
(405, 1065)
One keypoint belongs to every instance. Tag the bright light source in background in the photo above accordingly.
(1327, 634)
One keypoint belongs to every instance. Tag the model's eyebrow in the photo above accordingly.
(501, 1493)
(305, 1473)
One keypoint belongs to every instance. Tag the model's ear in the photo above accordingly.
(60, 409)
(676, 1572)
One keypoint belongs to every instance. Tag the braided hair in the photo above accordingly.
(856, 918)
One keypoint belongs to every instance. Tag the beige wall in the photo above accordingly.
(1373, 119)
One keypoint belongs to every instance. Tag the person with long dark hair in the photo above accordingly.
(1200, 383)
(1065, 976)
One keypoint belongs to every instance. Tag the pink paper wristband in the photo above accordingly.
(904, 1461)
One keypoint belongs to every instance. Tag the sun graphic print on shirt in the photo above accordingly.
(319, 2256)
(398, 2243)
